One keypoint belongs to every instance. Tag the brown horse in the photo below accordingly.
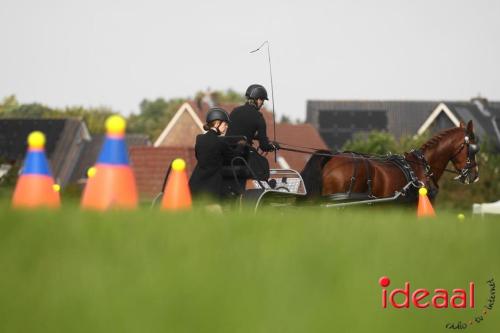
(357, 175)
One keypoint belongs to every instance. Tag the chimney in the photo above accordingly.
(207, 98)
(482, 104)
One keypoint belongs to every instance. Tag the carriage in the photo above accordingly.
(253, 184)
(285, 187)
(343, 179)
(364, 179)
(261, 186)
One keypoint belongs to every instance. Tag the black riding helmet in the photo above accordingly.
(256, 91)
(217, 114)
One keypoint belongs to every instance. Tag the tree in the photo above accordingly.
(152, 118)
(220, 96)
(33, 110)
(375, 142)
(409, 142)
(93, 117)
(285, 119)
(154, 115)
(380, 143)
(8, 104)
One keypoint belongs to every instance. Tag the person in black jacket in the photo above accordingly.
(206, 179)
(248, 121)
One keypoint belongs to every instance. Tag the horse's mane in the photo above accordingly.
(437, 138)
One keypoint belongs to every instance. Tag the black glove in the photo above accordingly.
(272, 146)
(267, 148)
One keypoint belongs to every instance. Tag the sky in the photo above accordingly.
(116, 53)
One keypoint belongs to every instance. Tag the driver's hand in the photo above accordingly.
(268, 148)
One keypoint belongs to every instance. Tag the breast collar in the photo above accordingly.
(429, 175)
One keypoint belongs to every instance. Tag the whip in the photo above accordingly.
(272, 88)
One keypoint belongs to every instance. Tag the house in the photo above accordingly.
(70, 147)
(337, 121)
(178, 140)
(188, 121)
(91, 151)
(151, 164)
(65, 141)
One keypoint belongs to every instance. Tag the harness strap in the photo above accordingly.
(368, 176)
(366, 162)
(354, 174)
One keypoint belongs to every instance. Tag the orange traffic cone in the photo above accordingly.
(111, 182)
(35, 186)
(424, 204)
(176, 195)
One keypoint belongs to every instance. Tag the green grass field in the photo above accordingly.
(304, 270)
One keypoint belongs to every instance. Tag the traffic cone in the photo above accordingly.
(176, 195)
(111, 182)
(35, 186)
(424, 204)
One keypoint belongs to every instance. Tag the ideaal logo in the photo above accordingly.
(440, 298)
(421, 298)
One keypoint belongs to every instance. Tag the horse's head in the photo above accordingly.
(464, 158)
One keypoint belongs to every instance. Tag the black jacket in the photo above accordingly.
(206, 178)
(248, 121)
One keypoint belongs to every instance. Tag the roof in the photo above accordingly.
(150, 165)
(14, 133)
(403, 117)
(202, 108)
(298, 135)
(486, 119)
(408, 117)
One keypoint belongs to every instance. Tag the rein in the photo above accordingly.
(301, 149)
(423, 164)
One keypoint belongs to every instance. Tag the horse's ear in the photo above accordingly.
(462, 125)
(470, 127)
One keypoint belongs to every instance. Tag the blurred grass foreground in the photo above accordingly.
(305, 270)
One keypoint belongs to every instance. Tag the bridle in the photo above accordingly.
(470, 163)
